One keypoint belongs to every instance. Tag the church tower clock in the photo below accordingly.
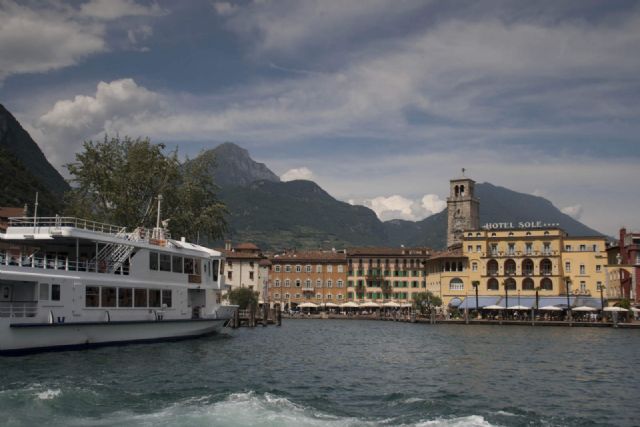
(463, 209)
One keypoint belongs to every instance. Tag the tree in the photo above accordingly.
(244, 298)
(426, 301)
(118, 181)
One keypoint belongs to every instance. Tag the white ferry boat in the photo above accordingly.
(73, 283)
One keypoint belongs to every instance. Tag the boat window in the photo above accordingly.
(92, 296)
(140, 298)
(166, 298)
(188, 265)
(44, 292)
(154, 298)
(176, 264)
(165, 262)
(108, 297)
(124, 297)
(196, 267)
(214, 270)
(153, 260)
(55, 292)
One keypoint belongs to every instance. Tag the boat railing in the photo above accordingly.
(156, 236)
(18, 308)
(62, 264)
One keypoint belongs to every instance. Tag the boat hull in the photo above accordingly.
(23, 338)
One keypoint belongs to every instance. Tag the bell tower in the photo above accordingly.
(463, 209)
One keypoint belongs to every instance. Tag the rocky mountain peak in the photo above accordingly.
(234, 167)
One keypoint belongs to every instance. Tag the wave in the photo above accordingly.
(252, 409)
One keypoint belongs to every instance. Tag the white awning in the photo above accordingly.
(330, 304)
(519, 307)
(619, 309)
(584, 308)
(370, 305)
(349, 304)
(550, 308)
(308, 305)
(391, 304)
(494, 307)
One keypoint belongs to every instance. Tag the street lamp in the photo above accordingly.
(476, 284)
(601, 289)
(567, 281)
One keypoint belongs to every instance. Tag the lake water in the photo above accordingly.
(337, 373)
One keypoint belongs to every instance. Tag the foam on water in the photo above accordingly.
(48, 394)
(251, 409)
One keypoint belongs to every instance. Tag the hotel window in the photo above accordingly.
(298, 268)
(567, 267)
(251, 275)
(599, 286)
(319, 268)
(329, 269)
(583, 269)
(319, 283)
(318, 296)
(469, 248)
(339, 284)
(583, 286)
(276, 269)
(546, 248)
(583, 248)
(595, 248)
(529, 248)
(307, 283)
(308, 269)
(298, 296)
(339, 296)
(494, 249)
(329, 284)
(511, 249)
(456, 284)
(276, 296)
(287, 283)
(349, 283)
(329, 296)
(567, 248)
(287, 269)
(229, 274)
(277, 283)
(341, 269)
(598, 268)
(474, 266)
(478, 248)
(298, 283)
(287, 296)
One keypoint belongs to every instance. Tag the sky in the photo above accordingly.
(380, 102)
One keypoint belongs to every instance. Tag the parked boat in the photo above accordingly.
(72, 283)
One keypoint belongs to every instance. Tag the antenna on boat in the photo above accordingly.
(35, 213)
(159, 204)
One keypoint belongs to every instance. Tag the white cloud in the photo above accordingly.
(114, 9)
(400, 207)
(69, 122)
(297, 173)
(224, 8)
(33, 41)
(574, 211)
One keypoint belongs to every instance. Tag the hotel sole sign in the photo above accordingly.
(521, 224)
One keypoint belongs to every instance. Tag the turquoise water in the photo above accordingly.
(337, 373)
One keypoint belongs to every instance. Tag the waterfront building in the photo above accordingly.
(382, 275)
(317, 277)
(623, 270)
(463, 209)
(241, 268)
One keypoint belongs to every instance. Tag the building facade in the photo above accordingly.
(317, 277)
(241, 268)
(623, 270)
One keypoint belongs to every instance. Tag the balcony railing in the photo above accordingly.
(61, 264)
(18, 309)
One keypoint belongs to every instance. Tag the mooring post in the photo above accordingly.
(236, 318)
(252, 317)
(278, 316)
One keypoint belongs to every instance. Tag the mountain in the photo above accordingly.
(300, 214)
(17, 142)
(234, 167)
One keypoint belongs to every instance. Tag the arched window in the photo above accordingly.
(510, 284)
(546, 284)
(456, 190)
(545, 267)
(492, 267)
(492, 285)
(456, 284)
(446, 266)
(527, 284)
(460, 266)
(510, 267)
(527, 267)
(462, 190)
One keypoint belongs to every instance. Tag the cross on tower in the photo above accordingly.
(463, 169)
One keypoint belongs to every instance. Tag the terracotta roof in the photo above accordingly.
(264, 262)
(457, 253)
(384, 251)
(247, 247)
(309, 256)
(240, 255)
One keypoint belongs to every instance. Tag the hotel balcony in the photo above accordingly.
(308, 289)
